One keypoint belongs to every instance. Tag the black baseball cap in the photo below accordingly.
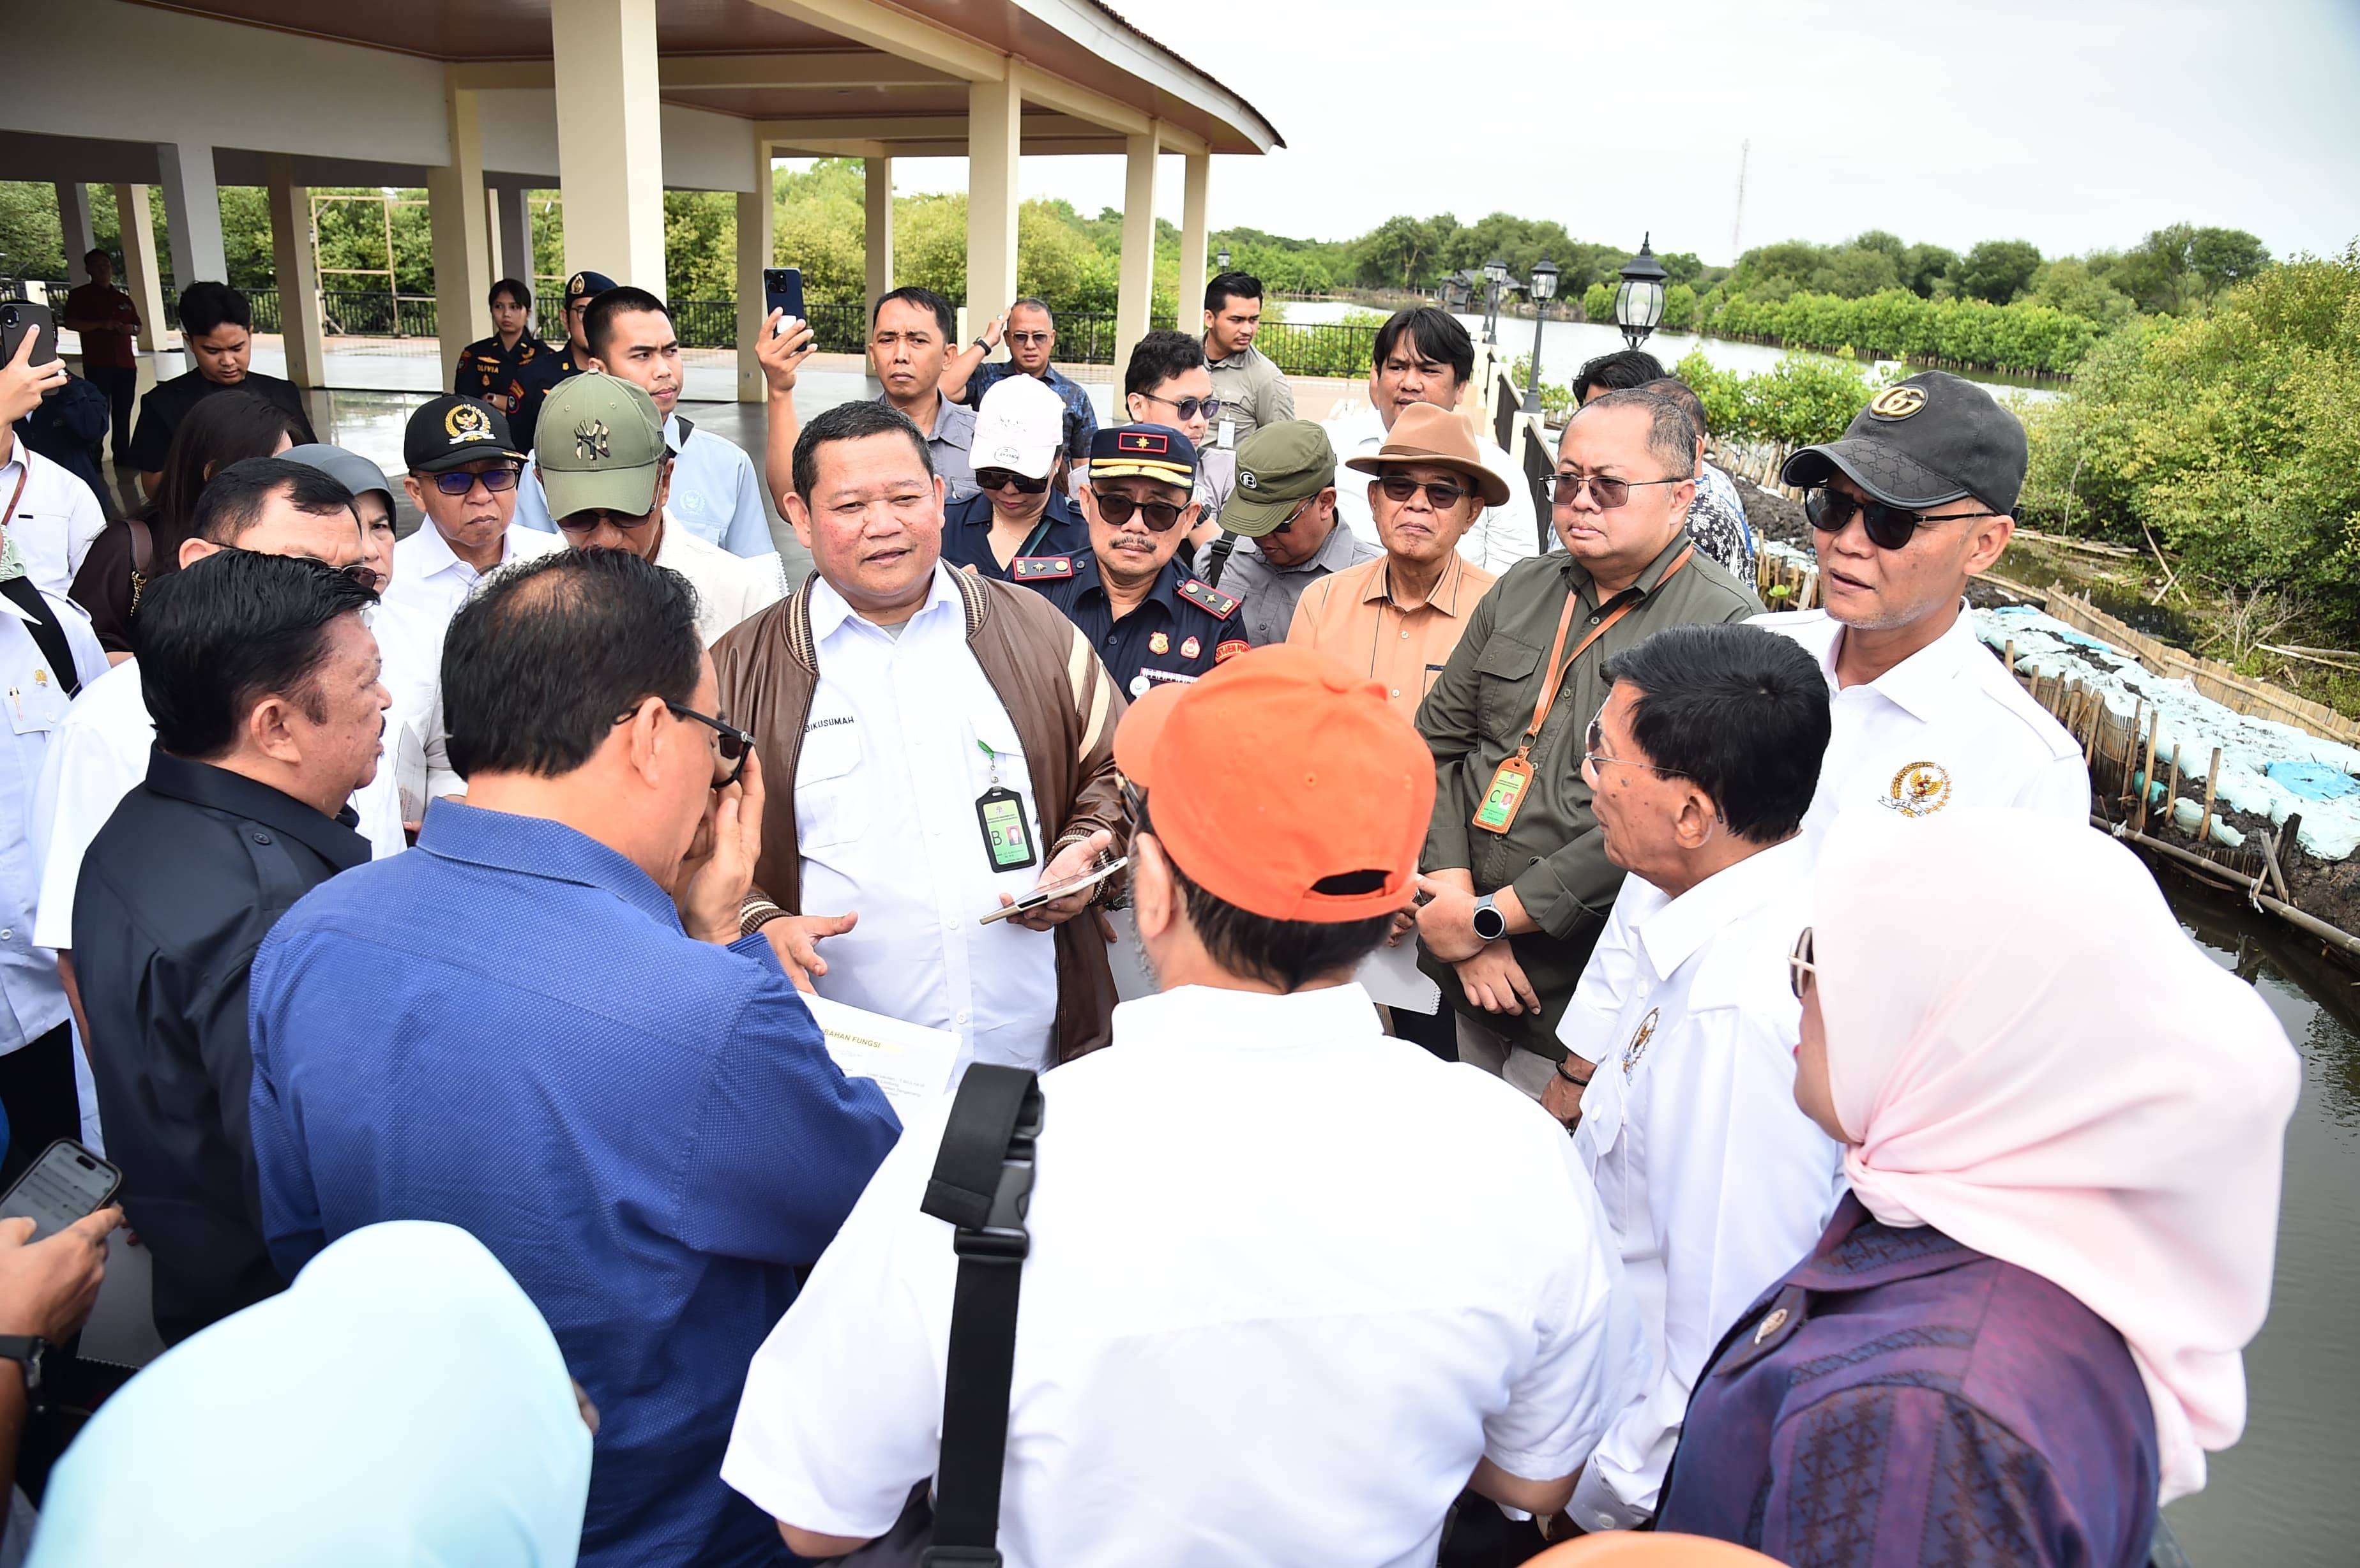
(1933, 437)
(451, 431)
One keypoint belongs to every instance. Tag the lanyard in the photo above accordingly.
(1564, 624)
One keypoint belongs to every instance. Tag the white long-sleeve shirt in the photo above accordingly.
(1714, 1182)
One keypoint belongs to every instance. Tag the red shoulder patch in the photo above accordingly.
(1205, 597)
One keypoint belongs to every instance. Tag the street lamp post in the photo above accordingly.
(1639, 300)
(1495, 274)
(1221, 259)
(1544, 287)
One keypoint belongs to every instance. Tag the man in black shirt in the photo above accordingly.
(263, 682)
(217, 328)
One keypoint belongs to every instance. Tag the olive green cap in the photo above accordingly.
(1278, 466)
(599, 447)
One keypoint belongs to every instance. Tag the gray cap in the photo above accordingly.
(347, 468)
(1933, 437)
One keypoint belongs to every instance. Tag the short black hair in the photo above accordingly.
(926, 300)
(1617, 372)
(234, 502)
(204, 307)
(221, 634)
(1670, 436)
(1040, 305)
(1159, 357)
(1435, 334)
(515, 288)
(1231, 285)
(1740, 712)
(855, 421)
(1680, 392)
(1289, 954)
(599, 320)
(538, 664)
(97, 253)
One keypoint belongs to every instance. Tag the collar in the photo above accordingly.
(1675, 934)
(1579, 574)
(1378, 589)
(1858, 1252)
(953, 423)
(203, 784)
(536, 846)
(1048, 377)
(1920, 683)
(829, 610)
(672, 433)
(1245, 356)
(1193, 1017)
(436, 554)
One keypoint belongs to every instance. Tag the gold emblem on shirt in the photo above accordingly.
(1637, 1049)
(1919, 791)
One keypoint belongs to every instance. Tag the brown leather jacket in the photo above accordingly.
(1060, 699)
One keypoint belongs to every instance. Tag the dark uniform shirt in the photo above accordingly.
(1177, 633)
(177, 892)
(1062, 530)
(524, 373)
(161, 412)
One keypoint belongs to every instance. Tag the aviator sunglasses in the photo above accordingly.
(1888, 527)
(1606, 493)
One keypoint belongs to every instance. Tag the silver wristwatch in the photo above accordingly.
(1489, 922)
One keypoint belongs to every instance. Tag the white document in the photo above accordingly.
(910, 1062)
(1390, 974)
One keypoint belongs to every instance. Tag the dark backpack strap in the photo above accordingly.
(982, 1185)
(48, 636)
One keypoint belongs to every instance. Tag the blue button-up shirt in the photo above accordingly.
(1081, 415)
(1061, 529)
(714, 493)
(507, 1030)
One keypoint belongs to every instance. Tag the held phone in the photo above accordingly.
(783, 291)
(21, 318)
(68, 1183)
(1053, 891)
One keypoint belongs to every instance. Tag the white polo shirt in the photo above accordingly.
(1714, 1183)
(729, 588)
(56, 518)
(428, 579)
(1500, 536)
(1945, 727)
(1290, 1279)
(885, 789)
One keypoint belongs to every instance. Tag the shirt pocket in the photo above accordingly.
(38, 709)
(1505, 701)
(831, 795)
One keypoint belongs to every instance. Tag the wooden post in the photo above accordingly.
(2146, 774)
(2212, 778)
(2171, 789)
(2010, 656)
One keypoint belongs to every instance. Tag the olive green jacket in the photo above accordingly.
(1474, 718)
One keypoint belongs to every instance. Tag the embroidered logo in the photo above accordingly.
(1159, 642)
(1143, 440)
(1248, 479)
(1190, 649)
(590, 442)
(1636, 1051)
(1919, 791)
(466, 422)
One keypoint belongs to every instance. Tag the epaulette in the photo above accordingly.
(1205, 597)
(1040, 568)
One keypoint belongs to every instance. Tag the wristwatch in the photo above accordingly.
(32, 1353)
(1489, 922)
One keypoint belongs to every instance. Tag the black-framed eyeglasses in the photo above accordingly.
(734, 744)
(1606, 491)
(1158, 517)
(1009, 479)
(1888, 527)
(1187, 407)
(459, 481)
(1441, 494)
(1595, 738)
(1292, 517)
(1799, 963)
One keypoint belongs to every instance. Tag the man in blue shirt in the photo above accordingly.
(1032, 336)
(615, 1093)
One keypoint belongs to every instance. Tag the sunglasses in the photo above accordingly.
(1799, 963)
(731, 741)
(1159, 517)
(584, 522)
(1009, 479)
(459, 481)
(1187, 407)
(1607, 494)
(1292, 517)
(1029, 339)
(1441, 495)
(1888, 527)
(1592, 753)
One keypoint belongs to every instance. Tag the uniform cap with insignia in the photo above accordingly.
(1934, 437)
(1019, 426)
(449, 432)
(599, 447)
(585, 286)
(1278, 466)
(1147, 452)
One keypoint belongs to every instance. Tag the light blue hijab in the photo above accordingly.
(402, 1405)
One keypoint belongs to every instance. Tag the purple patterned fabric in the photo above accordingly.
(1899, 1399)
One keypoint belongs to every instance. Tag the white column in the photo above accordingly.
(1194, 237)
(994, 145)
(609, 138)
(462, 245)
(74, 221)
(193, 214)
(756, 220)
(879, 175)
(297, 267)
(513, 203)
(140, 275)
(1138, 277)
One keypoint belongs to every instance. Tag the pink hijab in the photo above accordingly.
(2031, 1057)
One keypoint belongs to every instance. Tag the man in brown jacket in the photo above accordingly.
(940, 744)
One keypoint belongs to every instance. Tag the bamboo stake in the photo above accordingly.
(2010, 656)
(2171, 790)
(2204, 829)
(2130, 748)
(2146, 774)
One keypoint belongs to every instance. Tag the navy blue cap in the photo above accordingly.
(1151, 451)
(586, 286)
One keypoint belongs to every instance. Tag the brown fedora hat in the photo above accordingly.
(1438, 439)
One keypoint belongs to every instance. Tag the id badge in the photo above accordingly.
(1229, 436)
(1005, 838)
(1504, 796)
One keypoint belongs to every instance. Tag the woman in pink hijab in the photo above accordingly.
(2065, 1129)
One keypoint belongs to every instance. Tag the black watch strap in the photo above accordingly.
(32, 1352)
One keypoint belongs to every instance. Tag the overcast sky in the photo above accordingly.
(2074, 123)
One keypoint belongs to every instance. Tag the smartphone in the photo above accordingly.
(783, 291)
(21, 318)
(68, 1183)
(1053, 891)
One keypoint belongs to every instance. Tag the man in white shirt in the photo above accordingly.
(714, 493)
(610, 495)
(1910, 504)
(462, 477)
(1423, 355)
(49, 514)
(1700, 766)
(1292, 1284)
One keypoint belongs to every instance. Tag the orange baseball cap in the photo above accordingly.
(1278, 770)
